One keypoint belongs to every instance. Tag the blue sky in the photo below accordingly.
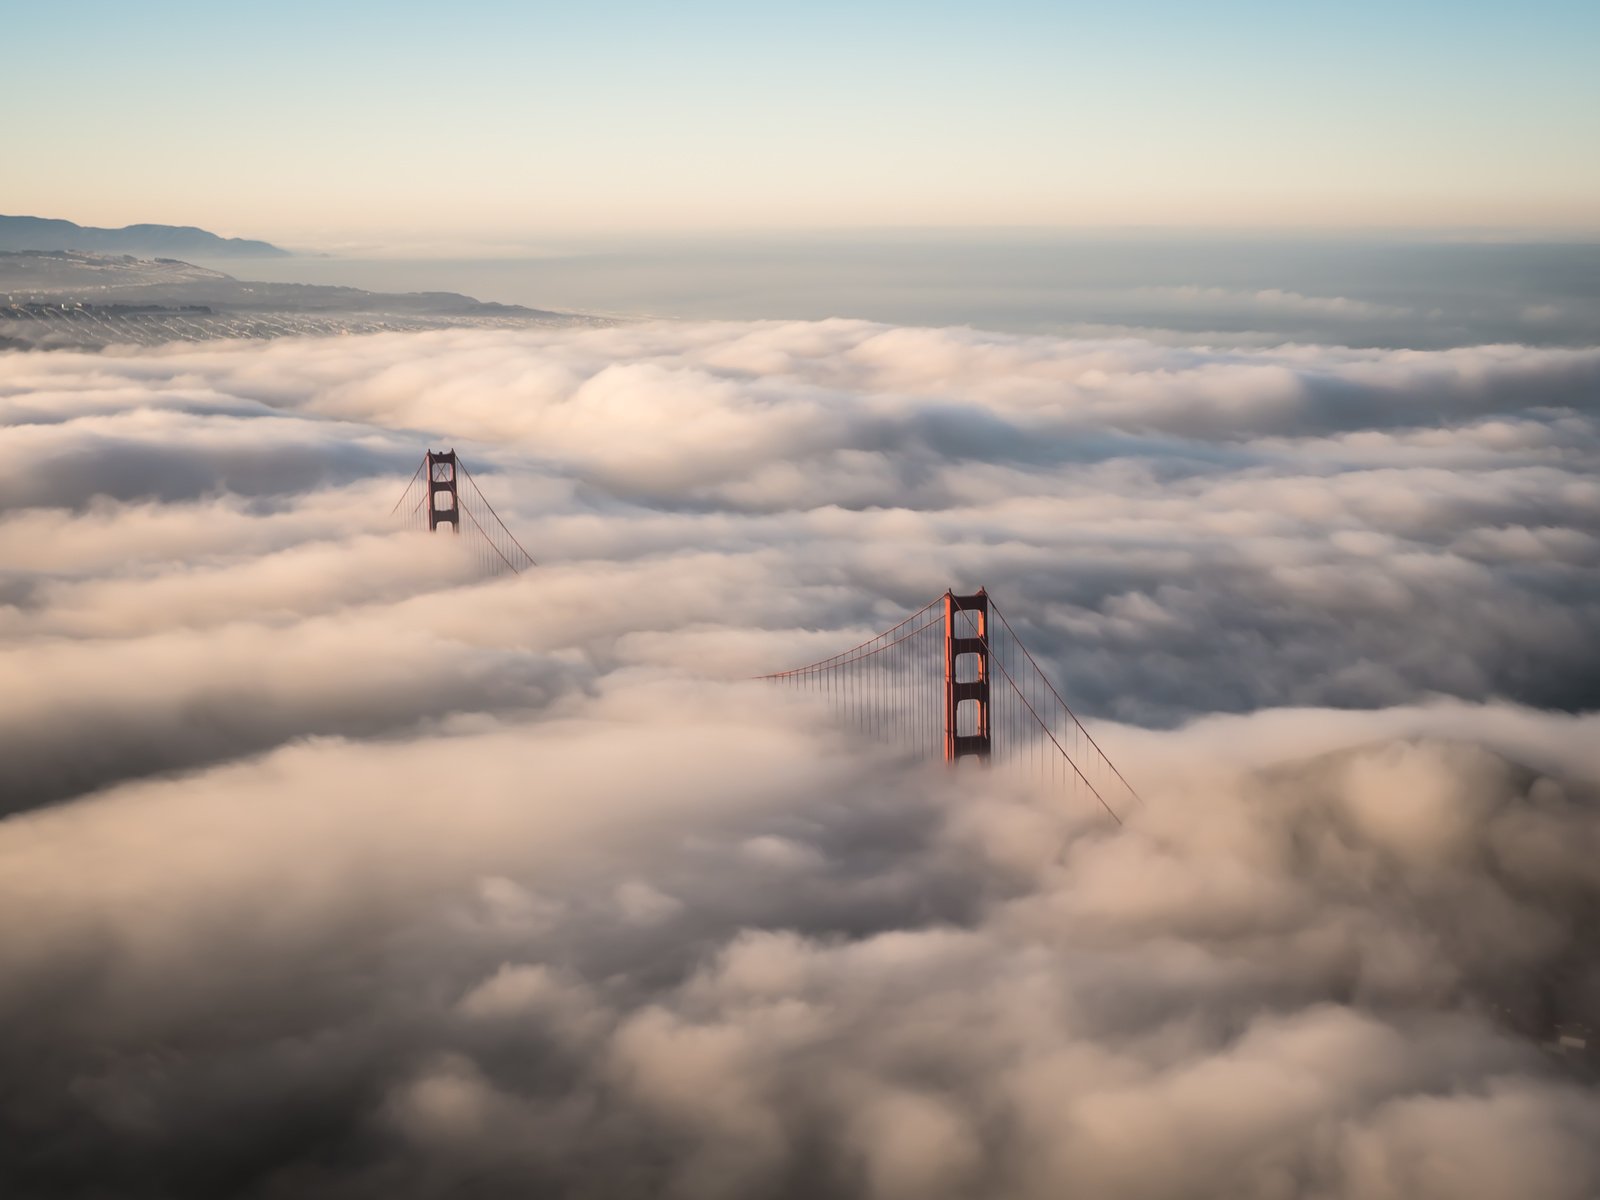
(491, 121)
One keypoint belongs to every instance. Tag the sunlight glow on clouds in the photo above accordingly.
(334, 870)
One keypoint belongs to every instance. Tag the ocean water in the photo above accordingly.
(1220, 290)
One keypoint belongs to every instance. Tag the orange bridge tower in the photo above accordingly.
(966, 676)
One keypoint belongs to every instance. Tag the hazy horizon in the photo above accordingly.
(1214, 290)
(455, 243)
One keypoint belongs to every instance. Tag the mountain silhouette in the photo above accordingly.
(42, 233)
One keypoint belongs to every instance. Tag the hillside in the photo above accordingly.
(147, 241)
(68, 299)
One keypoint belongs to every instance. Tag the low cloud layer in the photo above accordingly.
(334, 869)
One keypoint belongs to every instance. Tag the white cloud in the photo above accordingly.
(396, 880)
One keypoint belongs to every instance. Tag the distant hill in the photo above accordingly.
(149, 241)
(73, 299)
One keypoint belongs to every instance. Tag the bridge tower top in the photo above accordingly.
(444, 502)
(966, 677)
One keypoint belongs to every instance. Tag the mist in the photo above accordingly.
(1414, 289)
(333, 868)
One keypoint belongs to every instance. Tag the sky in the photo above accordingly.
(312, 123)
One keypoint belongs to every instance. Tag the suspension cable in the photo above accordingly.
(832, 660)
(407, 490)
(1065, 706)
(532, 561)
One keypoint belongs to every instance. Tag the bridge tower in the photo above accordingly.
(442, 483)
(969, 643)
